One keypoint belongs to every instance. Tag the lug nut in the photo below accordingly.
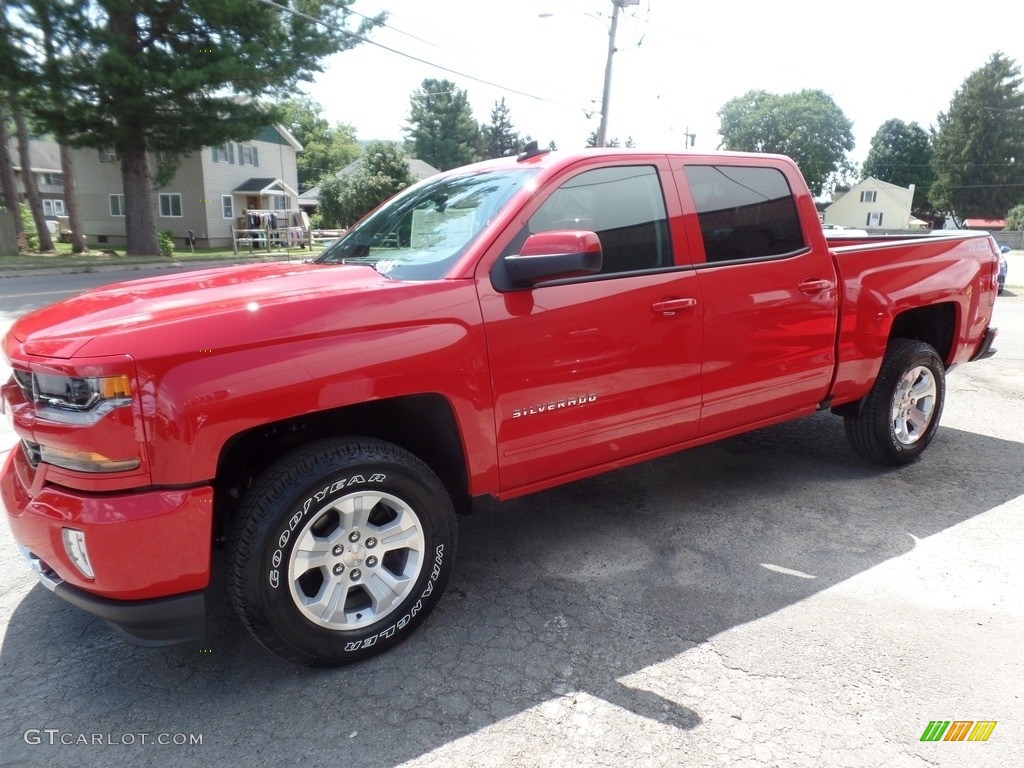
(371, 561)
(339, 568)
(356, 573)
(338, 550)
(354, 536)
(371, 543)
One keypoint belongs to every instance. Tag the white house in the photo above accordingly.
(874, 205)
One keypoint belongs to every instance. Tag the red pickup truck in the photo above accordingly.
(492, 331)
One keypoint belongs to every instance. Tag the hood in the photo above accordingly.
(177, 304)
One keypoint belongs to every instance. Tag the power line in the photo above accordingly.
(417, 59)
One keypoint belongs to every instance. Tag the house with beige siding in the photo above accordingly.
(213, 191)
(44, 157)
(873, 205)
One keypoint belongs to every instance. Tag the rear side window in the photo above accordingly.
(745, 213)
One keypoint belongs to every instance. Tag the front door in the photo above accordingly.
(594, 371)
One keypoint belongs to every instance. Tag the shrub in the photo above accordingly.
(166, 239)
(29, 225)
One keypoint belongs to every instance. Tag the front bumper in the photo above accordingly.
(149, 550)
(160, 621)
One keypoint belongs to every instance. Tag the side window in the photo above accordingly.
(744, 213)
(623, 205)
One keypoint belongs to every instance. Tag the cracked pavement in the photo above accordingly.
(769, 600)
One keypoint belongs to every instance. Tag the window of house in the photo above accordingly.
(278, 202)
(247, 155)
(52, 179)
(868, 195)
(53, 207)
(623, 205)
(225, 153)
(108, 156)
(744, 213)
(874, 220)
(117, 205)
(227, 206)
(170, 204)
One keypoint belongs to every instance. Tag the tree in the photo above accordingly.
(807, 126)
(611, 143)
(901, 154)
(9, 183)
(28, 181)
(1015, 218)
(441, 127)
(166, 77)
(500, 138)
(382, 171)
(979, 144)
(325, 149)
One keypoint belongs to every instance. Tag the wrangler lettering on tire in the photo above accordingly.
(340, 550)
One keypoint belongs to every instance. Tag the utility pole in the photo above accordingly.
(602, 130)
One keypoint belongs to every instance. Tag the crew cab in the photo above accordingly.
(492, 331)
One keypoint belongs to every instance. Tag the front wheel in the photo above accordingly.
(900, 415)
(340, 550)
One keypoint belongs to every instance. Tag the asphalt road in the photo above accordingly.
(769, 600)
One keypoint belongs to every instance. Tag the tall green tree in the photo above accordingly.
(326, 149)
(500, 138)
(979, 144)
(152, 76)
(441, 128)
(382, 171)
(808, 126)
(901, 154)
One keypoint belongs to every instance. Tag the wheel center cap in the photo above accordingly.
(354, 555)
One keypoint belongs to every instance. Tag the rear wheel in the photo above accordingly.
(340, 550)
(900, 415)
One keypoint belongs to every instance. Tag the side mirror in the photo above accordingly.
(555, 255)
(1005, 249)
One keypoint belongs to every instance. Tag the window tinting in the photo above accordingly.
(744, 213)
(623, 205)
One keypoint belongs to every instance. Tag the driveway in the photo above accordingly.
(769, 600)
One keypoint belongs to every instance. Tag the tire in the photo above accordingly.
(898, 418)
(340, 550)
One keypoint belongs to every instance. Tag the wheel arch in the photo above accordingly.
(934, 324)
(423, 424)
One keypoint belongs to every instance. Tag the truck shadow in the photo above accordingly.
(555, 595)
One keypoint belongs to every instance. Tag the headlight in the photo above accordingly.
(81, 400)
(80, 393)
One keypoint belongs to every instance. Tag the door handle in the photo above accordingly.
(812, 285)
(669, 307)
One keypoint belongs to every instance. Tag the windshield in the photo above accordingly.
(422, 231)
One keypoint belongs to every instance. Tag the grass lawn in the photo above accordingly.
(64, 259)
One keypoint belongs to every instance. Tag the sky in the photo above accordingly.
(677, 62)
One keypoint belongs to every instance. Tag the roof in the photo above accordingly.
(44, 156)
(263, 186)
(984, 224)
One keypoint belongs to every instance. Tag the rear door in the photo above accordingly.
(769, 298)
(595, 370)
